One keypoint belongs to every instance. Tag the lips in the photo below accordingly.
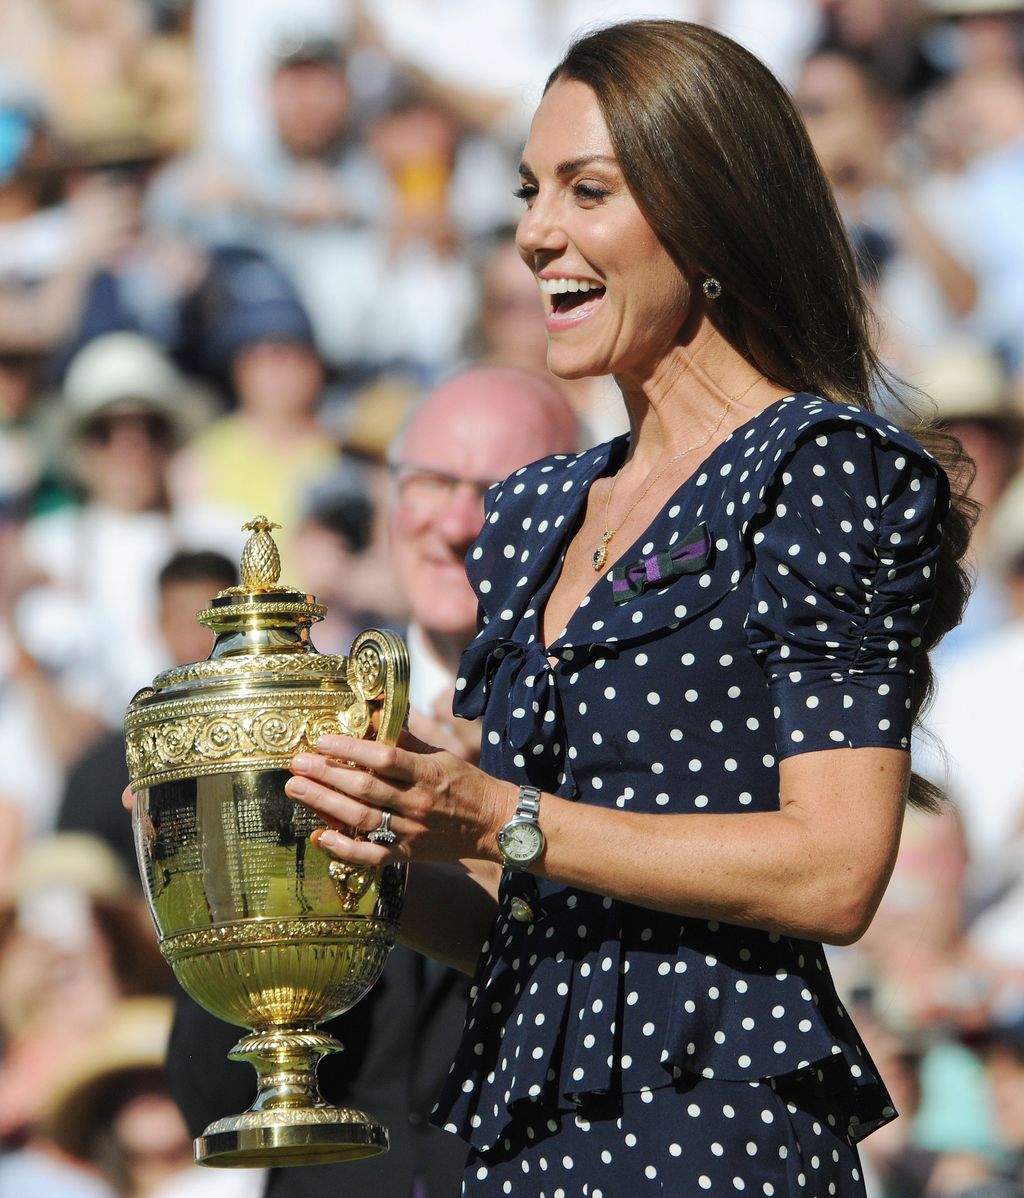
(569, 300)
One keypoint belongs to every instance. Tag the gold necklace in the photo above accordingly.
(600, 556)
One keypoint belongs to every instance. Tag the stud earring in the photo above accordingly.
(712, 288)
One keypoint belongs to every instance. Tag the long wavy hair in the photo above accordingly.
(718, 159)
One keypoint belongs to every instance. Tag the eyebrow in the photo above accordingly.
(571, 165)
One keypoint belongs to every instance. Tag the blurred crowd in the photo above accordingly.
(239, 240)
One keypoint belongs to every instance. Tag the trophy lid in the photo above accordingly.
(260, 615)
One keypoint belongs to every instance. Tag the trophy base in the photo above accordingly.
(296, 1136)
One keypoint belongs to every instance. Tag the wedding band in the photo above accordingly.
(382, 834)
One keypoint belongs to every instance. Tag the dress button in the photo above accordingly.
(521, 910)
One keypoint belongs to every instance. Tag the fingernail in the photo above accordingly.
(329, 840)
(296, 787)
(302, 761)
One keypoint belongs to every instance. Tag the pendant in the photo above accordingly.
(601, 552)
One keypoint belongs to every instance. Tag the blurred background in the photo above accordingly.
(238, 238)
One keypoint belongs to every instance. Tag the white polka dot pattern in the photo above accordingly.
(799, 635)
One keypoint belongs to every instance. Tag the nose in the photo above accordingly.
(462, 517)
(539, 231)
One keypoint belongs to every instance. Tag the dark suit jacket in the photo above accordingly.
(399, 1042)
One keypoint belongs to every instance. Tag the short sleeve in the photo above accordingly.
(844, 557)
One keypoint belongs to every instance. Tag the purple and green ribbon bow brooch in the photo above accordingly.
(690, 556)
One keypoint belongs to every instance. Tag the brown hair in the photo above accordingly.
(717, 157)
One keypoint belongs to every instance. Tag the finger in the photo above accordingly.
(335, 807)
(347, 848)
(128, 799)
(387, 760)
(365, 785)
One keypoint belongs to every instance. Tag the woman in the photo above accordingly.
(702, 649)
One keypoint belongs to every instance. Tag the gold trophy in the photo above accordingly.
(259, 926)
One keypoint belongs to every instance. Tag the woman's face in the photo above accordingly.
(614, 299)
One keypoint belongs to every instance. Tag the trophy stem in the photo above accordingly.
(285, 1060)
(289, 1123)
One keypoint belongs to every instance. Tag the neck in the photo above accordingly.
(687, 392)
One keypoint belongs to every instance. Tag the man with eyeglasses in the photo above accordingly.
(472, 431)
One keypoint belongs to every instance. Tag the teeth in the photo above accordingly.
(560, 286)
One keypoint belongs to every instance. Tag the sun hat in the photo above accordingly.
(966, 380)
(131, 1045)
(969, 8)
(126, 372)
(73, 859)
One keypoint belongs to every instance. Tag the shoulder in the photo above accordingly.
(805, 419)
(808, 444)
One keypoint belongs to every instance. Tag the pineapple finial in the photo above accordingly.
(261, 561)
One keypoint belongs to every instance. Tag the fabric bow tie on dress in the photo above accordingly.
(692, 555)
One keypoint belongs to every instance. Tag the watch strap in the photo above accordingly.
(529, 802)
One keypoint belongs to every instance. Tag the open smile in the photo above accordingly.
(569, 301)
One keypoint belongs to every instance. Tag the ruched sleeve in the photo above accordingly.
(844, 558)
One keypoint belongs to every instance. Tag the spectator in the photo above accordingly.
(909, 237)
(110, 1117)
(76, 938)
(260, 456)
(971, 397)
(90, 620)
(50, 240)
(509, 331)
(185, 584)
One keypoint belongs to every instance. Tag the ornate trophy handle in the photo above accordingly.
(378, 671)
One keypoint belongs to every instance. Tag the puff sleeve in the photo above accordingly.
(844, 559)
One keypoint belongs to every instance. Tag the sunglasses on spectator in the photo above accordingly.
(430, 490)
(157, 428)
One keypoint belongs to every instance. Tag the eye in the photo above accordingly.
(526, 191)
(591, 193)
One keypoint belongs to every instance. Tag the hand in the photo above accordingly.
(128, 799)
(443, 808)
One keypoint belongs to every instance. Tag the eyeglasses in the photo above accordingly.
(157, 428)
(429, 490)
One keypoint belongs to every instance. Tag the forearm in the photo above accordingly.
(956, 282)
(449, 909)
(815, 869)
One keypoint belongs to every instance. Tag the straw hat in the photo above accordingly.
(76, 860)
(966, 380)
(1007, 538)
(132, 1045)
(970, 8)
(128, 373)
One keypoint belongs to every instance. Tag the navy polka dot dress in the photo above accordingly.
(772, 608)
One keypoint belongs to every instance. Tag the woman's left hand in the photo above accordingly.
(442, 808)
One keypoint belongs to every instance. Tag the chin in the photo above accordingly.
(450, 618)
(565, 363)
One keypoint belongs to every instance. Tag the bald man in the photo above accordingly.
(473, 430)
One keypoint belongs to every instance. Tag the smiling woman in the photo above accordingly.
(702, 650)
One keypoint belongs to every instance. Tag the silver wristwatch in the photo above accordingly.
(521, 840)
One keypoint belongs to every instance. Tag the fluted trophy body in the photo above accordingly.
(259, 926)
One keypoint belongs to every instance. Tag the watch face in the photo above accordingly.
(521, 842)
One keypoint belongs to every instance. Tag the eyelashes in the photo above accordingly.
(586, 192)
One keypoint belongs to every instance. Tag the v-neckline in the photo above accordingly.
(571, 526)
